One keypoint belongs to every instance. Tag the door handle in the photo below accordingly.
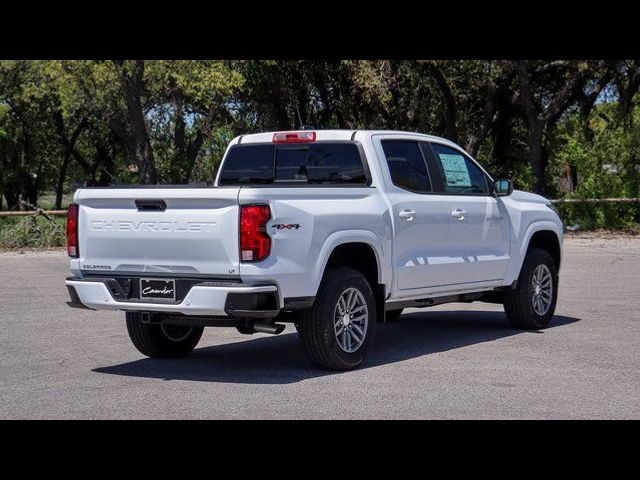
(459, 214)
(408, 215)
(151, 205)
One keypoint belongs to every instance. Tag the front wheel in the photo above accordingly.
(337, 331)
(532, 303)
(158, 340)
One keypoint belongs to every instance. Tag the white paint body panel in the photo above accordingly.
(196, 234)
(434, 254)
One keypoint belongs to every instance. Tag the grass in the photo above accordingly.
(32, 232)
(47, 201)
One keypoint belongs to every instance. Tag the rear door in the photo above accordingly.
(420, 219)
(159, 231)
(479, 229)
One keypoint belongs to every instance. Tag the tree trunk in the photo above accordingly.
(450, 109)
(23, 172)
(487, 120)
(179, 135)
(627, 91)
(108, 171)
(195, 144)
(69, 146)
(537, 158)
(139, 141)
(501, 134)
(62, 174)
(320, 83)
(543, 116)
(3, 155)
(574, 176)
(8, 189)
(36, 185)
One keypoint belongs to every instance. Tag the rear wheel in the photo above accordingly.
(337, 331)
(532, 303)
(159, 340)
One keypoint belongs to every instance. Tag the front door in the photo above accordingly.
(479, 230)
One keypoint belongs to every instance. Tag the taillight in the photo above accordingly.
(294, 137)
(72, 231)
(255, 244)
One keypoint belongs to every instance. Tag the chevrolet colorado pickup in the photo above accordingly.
(331, 230)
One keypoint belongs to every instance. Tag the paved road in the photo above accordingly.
(454, 361)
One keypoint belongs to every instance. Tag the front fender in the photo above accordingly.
(520, 246)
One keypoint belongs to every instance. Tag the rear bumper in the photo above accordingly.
(242, 301)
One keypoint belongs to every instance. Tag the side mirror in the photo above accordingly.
(503, 187)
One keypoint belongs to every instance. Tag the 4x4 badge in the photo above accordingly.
(286, 226)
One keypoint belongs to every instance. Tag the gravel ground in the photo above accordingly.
(452, 361)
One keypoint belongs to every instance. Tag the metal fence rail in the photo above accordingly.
(557, 201)
(26, 214)
(596, 200)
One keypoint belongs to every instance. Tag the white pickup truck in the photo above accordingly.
(331, 230)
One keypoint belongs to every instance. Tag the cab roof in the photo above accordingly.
(336, 135)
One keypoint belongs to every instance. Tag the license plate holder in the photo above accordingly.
(158, 289)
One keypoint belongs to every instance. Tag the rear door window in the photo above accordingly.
(407, 165)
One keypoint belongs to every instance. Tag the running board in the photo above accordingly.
(430, 302)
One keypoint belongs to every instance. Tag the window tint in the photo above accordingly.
(291, 164)
(406, 165)
(335, 163)
(459, 173)
(330, 163)
(248, 164)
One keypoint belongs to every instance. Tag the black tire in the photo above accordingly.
(518, 303)
(393, 315)
(162, 341)
(316, 324)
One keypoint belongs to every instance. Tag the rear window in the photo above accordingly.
(316, 163)
(248, 164)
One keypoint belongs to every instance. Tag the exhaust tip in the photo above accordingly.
(269, 327)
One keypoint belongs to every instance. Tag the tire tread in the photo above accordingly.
(517, 301)
(311, 327)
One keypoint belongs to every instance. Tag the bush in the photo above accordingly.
(607, 166)
(32, 231)
(600, 215)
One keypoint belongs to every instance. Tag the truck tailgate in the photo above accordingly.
(128, 230)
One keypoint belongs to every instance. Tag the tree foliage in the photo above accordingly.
(68, 123)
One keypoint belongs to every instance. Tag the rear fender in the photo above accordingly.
(351, 236)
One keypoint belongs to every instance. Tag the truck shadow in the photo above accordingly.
(279, 360)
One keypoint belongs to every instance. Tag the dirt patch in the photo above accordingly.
(604, 234)
(33, 251)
